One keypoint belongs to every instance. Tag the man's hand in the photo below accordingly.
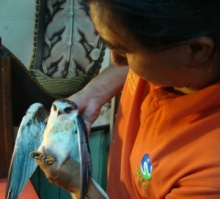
(67, 176)
(99, 91)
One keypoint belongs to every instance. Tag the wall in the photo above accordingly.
(17, 26)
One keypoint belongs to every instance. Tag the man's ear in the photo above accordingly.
(200, 51)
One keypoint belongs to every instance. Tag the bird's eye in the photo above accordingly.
(54, 107)
(68, 109)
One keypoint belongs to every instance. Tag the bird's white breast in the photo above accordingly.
(60, 137)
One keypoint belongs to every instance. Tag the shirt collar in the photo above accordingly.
(179, 105)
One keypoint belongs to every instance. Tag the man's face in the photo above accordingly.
(163, 68)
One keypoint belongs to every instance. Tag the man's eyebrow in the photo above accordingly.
(112, 46)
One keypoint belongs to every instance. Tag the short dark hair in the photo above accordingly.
(156, 24)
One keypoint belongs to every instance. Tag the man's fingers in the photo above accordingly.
(67, 175)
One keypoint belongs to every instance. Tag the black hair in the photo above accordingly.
(157, 24)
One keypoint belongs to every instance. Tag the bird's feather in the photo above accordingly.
(85, 157)
(29, 138)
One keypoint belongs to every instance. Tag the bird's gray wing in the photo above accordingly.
(29, 138)
(85, 157)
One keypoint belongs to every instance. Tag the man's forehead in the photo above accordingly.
(108, 29)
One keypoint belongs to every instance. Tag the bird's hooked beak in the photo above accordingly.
(59, 113)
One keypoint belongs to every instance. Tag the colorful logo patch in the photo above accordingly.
(146, 167)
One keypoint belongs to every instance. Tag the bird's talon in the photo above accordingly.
(48, 160)
(37, 155)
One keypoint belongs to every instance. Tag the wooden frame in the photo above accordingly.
(6, 123)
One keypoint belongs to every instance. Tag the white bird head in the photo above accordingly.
(63, 108)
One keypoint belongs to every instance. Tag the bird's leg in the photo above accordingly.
(40, 156)
(37, 155)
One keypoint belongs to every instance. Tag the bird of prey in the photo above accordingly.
(64, 136)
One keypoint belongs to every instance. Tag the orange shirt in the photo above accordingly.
(165, 145)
